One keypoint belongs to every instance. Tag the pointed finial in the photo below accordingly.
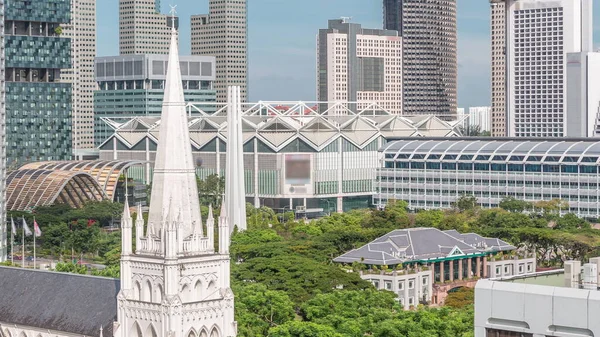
(210, 212)
(101, 334)
(126, 213)
(173, 12)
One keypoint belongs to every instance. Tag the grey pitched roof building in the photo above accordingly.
(71, 303)
(422, 244)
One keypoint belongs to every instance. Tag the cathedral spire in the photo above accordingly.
(126, 225)
(174, 181)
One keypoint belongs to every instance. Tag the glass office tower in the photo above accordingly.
(38, 106)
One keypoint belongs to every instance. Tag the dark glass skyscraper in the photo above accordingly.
(428, 30)
(38, 106)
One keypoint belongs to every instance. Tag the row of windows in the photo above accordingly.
(493, 167)
(499, 158)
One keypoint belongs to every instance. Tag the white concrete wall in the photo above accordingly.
(535, 309)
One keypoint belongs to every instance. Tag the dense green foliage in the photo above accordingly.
(287, 285)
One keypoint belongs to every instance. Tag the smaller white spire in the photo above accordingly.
(101, 333)
(126, 213)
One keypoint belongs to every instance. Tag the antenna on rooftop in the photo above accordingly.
(346, 19)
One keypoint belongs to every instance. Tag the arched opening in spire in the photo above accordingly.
(135, 330)
(151, 332)
(7, 333)
(159, 292)
(23, 334)
(203, 333)
(147, 292)
(137, 291)
(192, 333)
(215, 332)
(198, 290)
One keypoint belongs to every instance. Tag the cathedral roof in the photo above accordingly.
(71, 303)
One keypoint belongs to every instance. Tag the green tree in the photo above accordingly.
(461, 298)
(514, 205)
(466, 203)
(303, 329)
(210, 190)
(258, 309)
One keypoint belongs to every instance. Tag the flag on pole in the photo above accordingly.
(26, 228)
(13, 227)
(36, 229)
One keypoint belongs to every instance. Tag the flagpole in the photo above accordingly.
(34, 235)
(23, 246)
(12, 241)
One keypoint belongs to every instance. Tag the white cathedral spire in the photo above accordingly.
(235, 194)
(174, 181)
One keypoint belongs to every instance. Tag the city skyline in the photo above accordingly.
(273, 77)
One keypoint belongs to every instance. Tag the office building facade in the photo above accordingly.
(429, 63)
(223, 33)
(38, 105)
(434, 173)
(360, 65)
(335, 157)
(82, 32)
(561, 302)
(476, 117)
(583, 94)
(498, 71)
(143, 29)
(3, 229)
(541, 33)
(133, 86)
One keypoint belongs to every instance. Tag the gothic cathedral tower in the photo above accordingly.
(174, 284)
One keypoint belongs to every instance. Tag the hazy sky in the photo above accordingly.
(282, 42)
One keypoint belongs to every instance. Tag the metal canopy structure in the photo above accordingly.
(106, 173)
(29, 188)
(70, 182)
(277, 124)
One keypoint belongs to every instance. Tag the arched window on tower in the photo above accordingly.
(135, 331)
(192, 334)
(203, 333)
(137, 291)
(198, 291)
(214, 333)
(159, 293)
(23, 334)
(151, 332)
(147, 293)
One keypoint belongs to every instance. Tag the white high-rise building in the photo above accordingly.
(583, 94)
(175, 283)
(479, 116)
(223, 33)
(360, 65)
(498, 30)
(142, 28)
(3, 227)
(82, 32)
(542, 32)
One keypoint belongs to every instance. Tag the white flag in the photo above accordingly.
(13, 227)
(36, 229)
(26, 228)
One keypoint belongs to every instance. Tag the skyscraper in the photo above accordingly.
(82, 32)
(38, 105)
(429, 65)
(361, 65)
(498, 29)
(142, 28)
(3, 227)
(542, 32)
(224, 33)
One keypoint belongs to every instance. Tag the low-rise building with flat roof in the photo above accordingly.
(563, 302)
